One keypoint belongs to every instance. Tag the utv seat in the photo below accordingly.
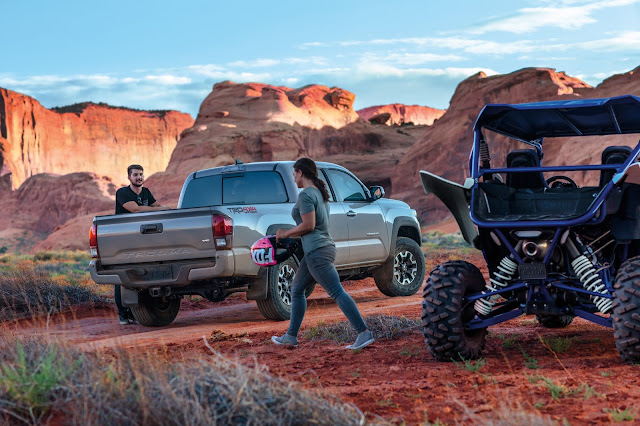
(613, 155)
(525, 180)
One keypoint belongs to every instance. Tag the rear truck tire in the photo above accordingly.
(554, 321)
(403, 273)
(444, 315)
(626, 310)
(277, 305)
(155, 311)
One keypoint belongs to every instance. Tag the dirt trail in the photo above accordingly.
(529, 373)
(98, 328)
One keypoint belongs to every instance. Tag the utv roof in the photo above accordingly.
(584, 117)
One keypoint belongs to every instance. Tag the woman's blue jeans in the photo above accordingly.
(317, 266)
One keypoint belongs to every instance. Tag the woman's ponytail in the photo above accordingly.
(309, 170)
(322, 187)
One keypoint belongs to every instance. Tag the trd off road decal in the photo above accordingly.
(243, 209)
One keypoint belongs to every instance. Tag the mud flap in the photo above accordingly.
(258, 288)
(456, 198)
(128, 297)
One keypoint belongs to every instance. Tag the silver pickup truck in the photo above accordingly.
(203, 246)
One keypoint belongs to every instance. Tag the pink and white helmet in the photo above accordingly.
(267, 252)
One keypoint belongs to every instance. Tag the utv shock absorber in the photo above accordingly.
(500, 279)
(589, 278)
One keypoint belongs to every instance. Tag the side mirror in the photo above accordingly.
(377, 192)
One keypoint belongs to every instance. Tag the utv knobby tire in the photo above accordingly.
(155, 311)
(403, 273)
(626, 310)
(277, 305)
(444, 315)
(554, 321)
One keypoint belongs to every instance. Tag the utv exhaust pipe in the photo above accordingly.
(530, 248)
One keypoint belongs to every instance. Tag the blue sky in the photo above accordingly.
(167, 54)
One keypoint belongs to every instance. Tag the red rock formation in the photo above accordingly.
(83, 137)
(45, 201)
(72, 235)
(256, 122)
(444, 149)
(260, 122)
(399, 114)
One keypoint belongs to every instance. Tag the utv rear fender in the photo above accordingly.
(456, 198)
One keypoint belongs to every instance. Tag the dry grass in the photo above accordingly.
(44, 283)
(43, 381)
(382, 327)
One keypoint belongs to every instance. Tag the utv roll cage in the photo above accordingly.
(531, 124)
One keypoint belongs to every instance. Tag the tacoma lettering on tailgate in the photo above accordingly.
(154, 253)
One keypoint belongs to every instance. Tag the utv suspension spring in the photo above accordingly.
(501, 278)
(591, 281)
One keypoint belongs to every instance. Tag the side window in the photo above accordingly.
(324, 179)
(253, 188)
(202, 192)
(346, 186)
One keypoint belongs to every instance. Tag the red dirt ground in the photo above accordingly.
(396, 379)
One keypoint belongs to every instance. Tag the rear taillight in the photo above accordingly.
(222, 226)
(93, 241)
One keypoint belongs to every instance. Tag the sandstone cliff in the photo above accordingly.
(399, 114)
(260, 122)
(45, 202)
(83, 137)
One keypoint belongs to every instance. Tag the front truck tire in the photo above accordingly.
(402, 274)
(155, 311)
(444, 313)
(626, 310)
(277, 305)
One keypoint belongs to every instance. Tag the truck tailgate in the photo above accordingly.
(165, 235)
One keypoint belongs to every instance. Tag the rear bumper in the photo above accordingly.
(132, 276)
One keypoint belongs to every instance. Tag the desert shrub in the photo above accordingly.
(382, 327)
(28, 290)
(438, 239)
(42, 379)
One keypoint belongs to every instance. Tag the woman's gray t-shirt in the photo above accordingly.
(310, 199)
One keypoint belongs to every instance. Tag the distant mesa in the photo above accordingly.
(59, 167)
(398, 114)
(83, 137)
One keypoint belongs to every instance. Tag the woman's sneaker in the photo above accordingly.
(364, 339)
(285, 340)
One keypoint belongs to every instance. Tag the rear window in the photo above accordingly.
(202, 192)
(253, 188)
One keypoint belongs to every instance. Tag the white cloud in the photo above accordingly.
(315, 60)
(623, 41)
(419, 58)
(168, 79)
(531, 19)
(256, 63)
(313, 44)
(368, 69)
(566, 16)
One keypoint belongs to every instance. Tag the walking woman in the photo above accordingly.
(311, 214)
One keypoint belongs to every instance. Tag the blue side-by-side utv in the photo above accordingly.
(553, 249)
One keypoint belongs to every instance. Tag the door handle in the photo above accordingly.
(351, 213)
(154, 228)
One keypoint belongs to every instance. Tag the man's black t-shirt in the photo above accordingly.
(126, 194)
